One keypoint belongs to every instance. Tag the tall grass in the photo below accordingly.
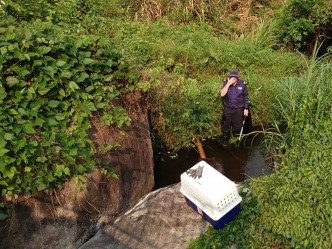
(229, 17)
(182, 10)
(188, 10)
(264, 34)
(312, 91)
(301, 182)
(301, 102)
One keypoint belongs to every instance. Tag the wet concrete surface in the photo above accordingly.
(238, 164)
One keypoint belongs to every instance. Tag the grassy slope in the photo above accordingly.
(196, 52)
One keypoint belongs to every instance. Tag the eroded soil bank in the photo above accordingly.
(67, 218)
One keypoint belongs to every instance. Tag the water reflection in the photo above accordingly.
(237, 164)
(232, 160)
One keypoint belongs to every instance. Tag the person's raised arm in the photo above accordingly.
(224, 90)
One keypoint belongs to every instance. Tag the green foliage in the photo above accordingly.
(237, 231)
(302, 101)
(200, 52)
(84, 15)
(109, 174)
(57, 11)
(50, 84)
(300, 21)
(184, 109)
(296, 200)
(46, 10)
(264, 35)
(3, 216)
(303, 21)
(192, 56)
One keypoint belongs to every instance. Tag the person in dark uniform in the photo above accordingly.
(236, 104)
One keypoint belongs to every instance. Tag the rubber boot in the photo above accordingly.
(225, 138)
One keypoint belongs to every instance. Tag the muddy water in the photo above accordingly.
(237, 164)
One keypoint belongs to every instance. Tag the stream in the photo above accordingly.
(237, 164)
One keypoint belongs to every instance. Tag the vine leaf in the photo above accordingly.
(3, 216)
(11, 81)
(73, 85)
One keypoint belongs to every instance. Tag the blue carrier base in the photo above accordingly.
(217, 224)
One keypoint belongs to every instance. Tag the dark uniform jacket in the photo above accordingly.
(237, 96)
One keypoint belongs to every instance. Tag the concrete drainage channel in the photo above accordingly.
(237, 164)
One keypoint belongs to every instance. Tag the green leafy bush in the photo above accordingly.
(301, 22)
(3, 216)
(91, 17)
(296, 200)
(57, 11)
(50, 84)
(237, 231)
(45, 10)
(185, 109)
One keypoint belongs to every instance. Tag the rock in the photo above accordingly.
(67, 218)
(161, 219)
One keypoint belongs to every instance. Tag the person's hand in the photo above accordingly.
(231, 81)
(246, 112)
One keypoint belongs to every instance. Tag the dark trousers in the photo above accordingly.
(231, 118)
